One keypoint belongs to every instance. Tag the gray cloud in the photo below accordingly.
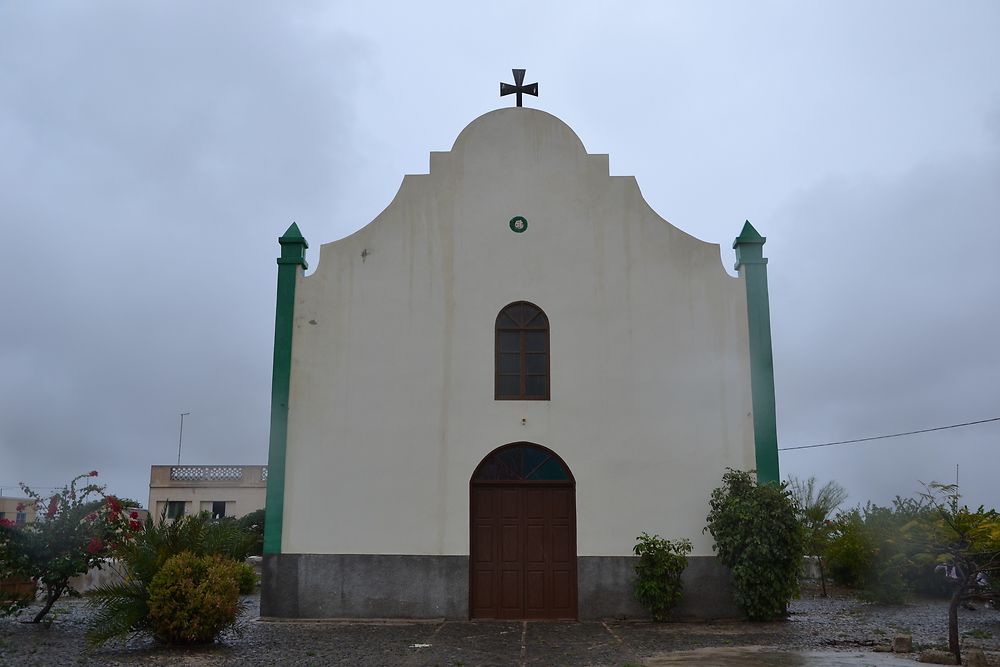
(883, 302)
(150, 155)
(154, 155)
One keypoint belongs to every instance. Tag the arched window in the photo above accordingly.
(522, 462)
(522, 353)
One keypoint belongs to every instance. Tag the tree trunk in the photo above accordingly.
(953, 645)
(822, 574)
(52, 594)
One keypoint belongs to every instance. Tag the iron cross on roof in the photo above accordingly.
(518, 87)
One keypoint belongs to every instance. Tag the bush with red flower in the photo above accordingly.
(80, 526)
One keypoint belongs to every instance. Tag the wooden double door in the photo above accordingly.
(523, 550)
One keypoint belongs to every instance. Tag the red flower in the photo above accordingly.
(133, 524)
(133, 514)
(94, 545)
(91, 517)
(92, 473)
(53, 507)
(20, 507)
(114, 505)
(7, 523)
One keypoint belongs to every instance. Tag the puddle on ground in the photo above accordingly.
(755, 656)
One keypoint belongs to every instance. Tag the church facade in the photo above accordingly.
(481, 398)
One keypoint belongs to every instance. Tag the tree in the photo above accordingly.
(69, 538)
(965, 545)
(816, 508)
(758, 536)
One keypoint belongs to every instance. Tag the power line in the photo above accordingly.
(891, 435)
(16, 488)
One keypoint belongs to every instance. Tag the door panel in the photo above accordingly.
(534, 546)
(482, 586)
(561, 503)
(510, 501)
(561, 544)
(482, 561)
(562, 590)
(484, 544)
(510, 593)
(535, 594)
(511, 551)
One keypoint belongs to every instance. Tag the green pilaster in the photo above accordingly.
(290, 265)
(752, 267)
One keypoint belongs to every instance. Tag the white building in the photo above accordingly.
(221, 491)
(482, 397)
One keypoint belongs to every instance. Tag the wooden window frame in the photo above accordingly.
(521, 329)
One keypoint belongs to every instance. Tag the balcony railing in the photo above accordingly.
(206, 473)
(248, 475)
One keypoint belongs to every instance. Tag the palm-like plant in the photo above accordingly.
(816, 506)
(123, 608)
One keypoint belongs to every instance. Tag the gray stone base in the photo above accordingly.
(605, 589)
(383, 586)
(364, 586)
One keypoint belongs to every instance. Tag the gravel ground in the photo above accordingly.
(839, 623)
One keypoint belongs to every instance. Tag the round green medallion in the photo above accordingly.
(518, 224)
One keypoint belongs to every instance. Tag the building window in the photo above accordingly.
(175, 509)
(21, 518)
(218, 509)
(522, 462)
(522, 353)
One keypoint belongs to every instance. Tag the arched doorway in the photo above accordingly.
(522, 552)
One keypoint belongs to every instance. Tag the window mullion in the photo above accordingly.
(524, 365)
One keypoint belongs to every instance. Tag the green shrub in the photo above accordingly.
(918, 573)
(758, 536)
(247, 578)
(253, 524)
(851, 552)
(658, 583)
(871, 552)
(123, 608)
(885, 579)
(193, 598)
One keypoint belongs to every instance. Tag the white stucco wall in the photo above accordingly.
(391, 405)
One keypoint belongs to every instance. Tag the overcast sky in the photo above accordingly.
(151, 153)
